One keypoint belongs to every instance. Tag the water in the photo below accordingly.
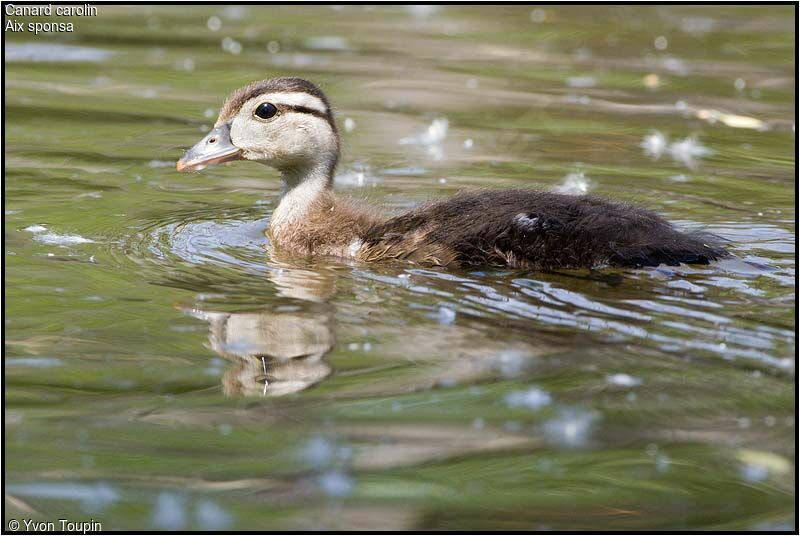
(163, 370)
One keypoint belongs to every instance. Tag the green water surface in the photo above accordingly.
(139, 302)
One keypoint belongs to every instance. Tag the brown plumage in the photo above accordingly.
(535, 230)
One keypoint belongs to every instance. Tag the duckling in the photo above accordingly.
(287, 123)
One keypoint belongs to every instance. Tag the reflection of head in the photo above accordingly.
(247, 378)
(276, 353)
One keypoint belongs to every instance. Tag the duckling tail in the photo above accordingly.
(672, 248)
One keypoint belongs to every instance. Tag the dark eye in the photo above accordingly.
(266, 110)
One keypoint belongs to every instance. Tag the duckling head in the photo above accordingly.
(285, 123)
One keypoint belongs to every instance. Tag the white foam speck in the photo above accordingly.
(510, 363)
(688, 151)
(445, 315)
(571, 428)
(93, 497)
(433, 135)
(40, 362)
(54, 239)
(623, 380)
(349, 125)
(422, 11)
(358, 175)
(327, 42)
(581, 81)
(697, 24)
(160, 164)
(574, 184)
(534, 398)
(54, 52)
(654, 144)
(35, 229)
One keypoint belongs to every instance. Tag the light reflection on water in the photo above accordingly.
(166, 368)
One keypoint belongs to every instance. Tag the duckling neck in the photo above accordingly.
(302, 187)
(310, 219)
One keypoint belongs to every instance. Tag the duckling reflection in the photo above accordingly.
(276, 352)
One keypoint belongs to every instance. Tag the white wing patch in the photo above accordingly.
(526, 223)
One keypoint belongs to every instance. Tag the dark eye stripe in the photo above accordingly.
(310, 111)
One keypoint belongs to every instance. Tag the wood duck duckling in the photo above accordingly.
(287, 123)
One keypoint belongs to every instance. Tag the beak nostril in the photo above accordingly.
(212, 140)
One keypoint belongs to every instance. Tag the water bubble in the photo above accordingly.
(187, 64)
(661, 42)
(336, 483)
(349, 124)
(231, 46)
(468, 143)
(170, 512)
(754, 473)
(538, 16)
(273, 47)
(214, 24)
(663, 463)
(739, 84)
(210, 516)
(319, 451)
(225, 429)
